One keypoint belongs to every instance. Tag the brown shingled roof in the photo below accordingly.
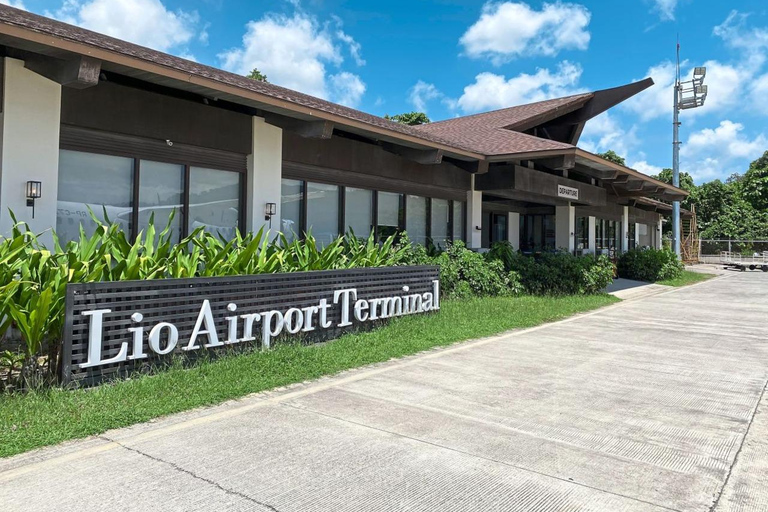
(473, 137)
(491, 133)
(41, 24)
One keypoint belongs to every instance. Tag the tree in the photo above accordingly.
(723, 213)
(754, 183)
(686, 183)
(257, 75)
(612, 156)
(409, 118)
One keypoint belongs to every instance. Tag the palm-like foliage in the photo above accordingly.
(33, 279)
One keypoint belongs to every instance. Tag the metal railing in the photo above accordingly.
(711, 251)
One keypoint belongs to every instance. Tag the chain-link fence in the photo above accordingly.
(710, 250)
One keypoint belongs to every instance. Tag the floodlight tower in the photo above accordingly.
(689, 94)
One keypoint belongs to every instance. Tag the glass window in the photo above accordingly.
(439, 220)
(290, 208)
(416, 219)
(582, 233)
(358, 210)
(498, 231)
(161, 191)
(550, 242)
(214, 201)
(389, 214)
(323, 212)
(458, 220)
(98, 182)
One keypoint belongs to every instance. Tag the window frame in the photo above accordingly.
(402, 221)
(138, 156)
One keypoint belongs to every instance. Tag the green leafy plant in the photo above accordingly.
(33, 279)
(649, 265)
(558, 273)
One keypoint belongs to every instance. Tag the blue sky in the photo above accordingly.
(456, 57)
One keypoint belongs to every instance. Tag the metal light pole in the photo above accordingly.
(690, 94)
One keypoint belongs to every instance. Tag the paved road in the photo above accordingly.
(650, 405)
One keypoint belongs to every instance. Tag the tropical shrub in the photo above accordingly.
(649, 265)
(559, 273)
(463, 272)
(33, 278)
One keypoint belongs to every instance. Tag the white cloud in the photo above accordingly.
(506, 30)
(758, 94)
(665, 9)
(355, 49)
(13, 3)
(752, 41)
(422, 93)
(492, 91)
(347, 88)
(294, 51)
(145, 22)
(725, 82)
(645, 168)
(604, 133)
(721, 151)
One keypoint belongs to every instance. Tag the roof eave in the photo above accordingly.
(673, 192)
(117, 58)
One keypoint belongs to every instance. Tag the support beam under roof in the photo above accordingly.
(559, 163)
(421, 156)
(474, 167)
(319, 129)
(78, 73)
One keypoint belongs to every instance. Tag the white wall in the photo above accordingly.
(474, 217)
(265, 171)
(565, 225)
(513, 230)
(30, 147)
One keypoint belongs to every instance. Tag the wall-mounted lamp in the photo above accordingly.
(34, 191)
(269, 210)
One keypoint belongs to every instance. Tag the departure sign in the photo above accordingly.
(568, 192)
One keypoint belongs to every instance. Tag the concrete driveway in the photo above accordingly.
(649, 405)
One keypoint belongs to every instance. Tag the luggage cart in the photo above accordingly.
(744, 263)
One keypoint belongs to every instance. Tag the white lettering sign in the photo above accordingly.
(163, 337)
(567, 192)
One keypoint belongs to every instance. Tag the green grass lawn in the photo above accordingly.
(36, 419)
(688, 277)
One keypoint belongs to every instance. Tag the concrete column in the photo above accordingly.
(513, 230)
(625, 230)
(565, 225)
(592, 234)
(265, 171)
(474, 217)
(29, 129)
(637, 234)
(659, 233)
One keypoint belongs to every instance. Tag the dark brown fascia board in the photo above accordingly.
(532, 155)
(607, 98)
(60, 43)
(549, 115)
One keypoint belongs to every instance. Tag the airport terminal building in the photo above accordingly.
(92, 121)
